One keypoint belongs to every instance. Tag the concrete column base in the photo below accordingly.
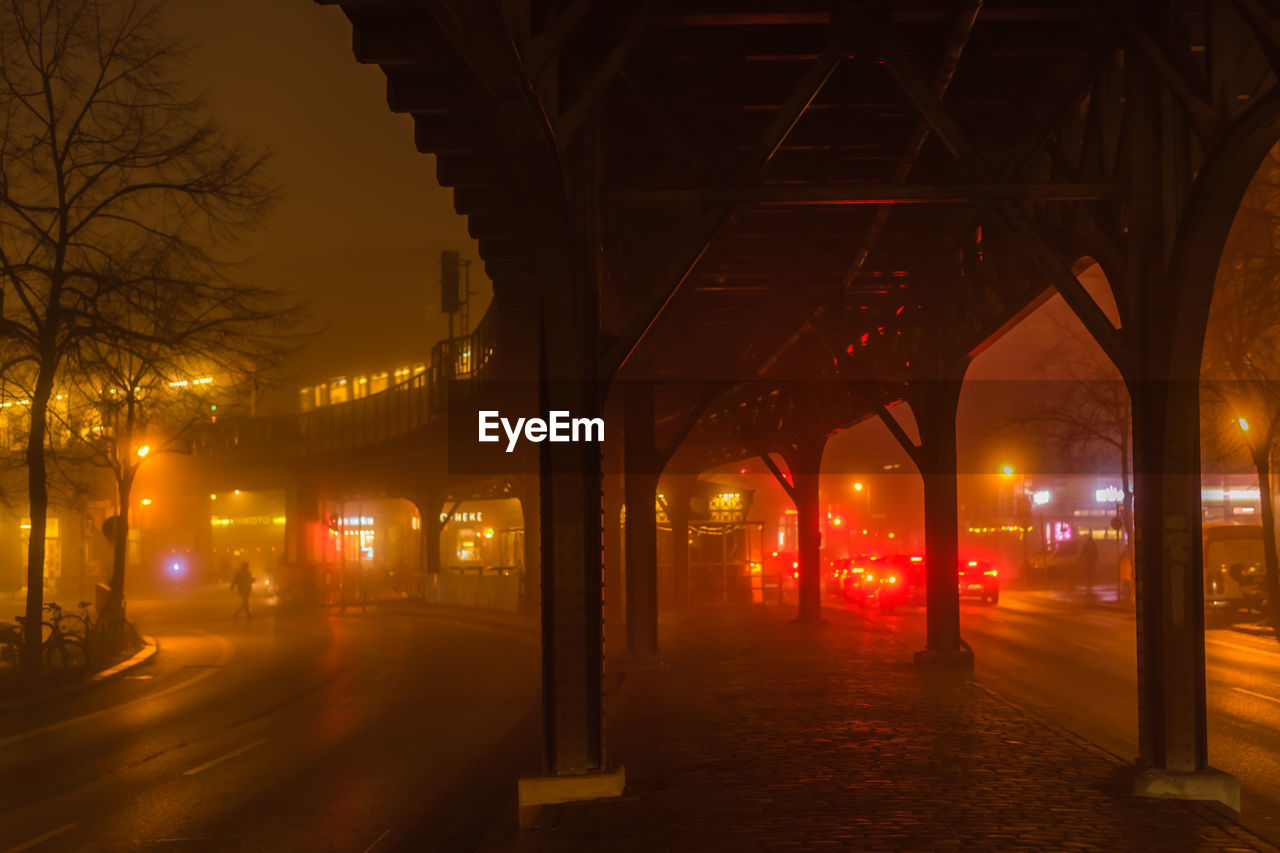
(820, 622)
(1207, 784)
(952, 659)
(534, 792)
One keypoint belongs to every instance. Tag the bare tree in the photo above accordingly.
(1083, 410)
(139, 395)
(111, 180)
(1242, 352)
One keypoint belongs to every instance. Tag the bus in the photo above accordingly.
(1234, 571)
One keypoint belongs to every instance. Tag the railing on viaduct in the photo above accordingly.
(458, 366)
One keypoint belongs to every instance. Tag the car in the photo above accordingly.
(899, 580)
(833, 575)
(855, 586)
(1059, 564)
(1234, 573)
(980, 578)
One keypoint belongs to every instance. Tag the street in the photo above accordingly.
(315, 731)
(1076, 667)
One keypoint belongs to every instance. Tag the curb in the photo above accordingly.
(1254, 630)
(150, 648)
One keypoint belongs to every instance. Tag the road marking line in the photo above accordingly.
(41, 839)
(93, 715)
(1256, 695)
(377, 840)
(515, 634)
(230, 755)
(1239, 646)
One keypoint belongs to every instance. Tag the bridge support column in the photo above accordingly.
(642, 527)
(432, 528)
(677, 500)
(934, 404)
(1172, 728)
(302, 515)
(531, 514)
(805, 463)
(570, 484)
(615, 565)
(1173, 256)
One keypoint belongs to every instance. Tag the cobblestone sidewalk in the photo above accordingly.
(759, 734)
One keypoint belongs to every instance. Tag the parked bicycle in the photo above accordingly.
(10, 644)
(63, 653)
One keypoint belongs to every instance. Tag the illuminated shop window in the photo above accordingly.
(339, 390)
(727, 506)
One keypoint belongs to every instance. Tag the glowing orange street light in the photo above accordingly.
(144, 450)
(1007, 470)
(857, 487)
(1244, 424)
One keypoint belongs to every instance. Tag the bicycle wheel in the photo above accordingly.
(66, 656)
(10, 646)
(73, 624)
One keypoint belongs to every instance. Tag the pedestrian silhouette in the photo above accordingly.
(243, 584)
(1088, 560)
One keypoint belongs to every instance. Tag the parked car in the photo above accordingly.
(1059, 563)
(1234, 571)
(979, 578)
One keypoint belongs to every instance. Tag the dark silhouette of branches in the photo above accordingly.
(1081, 410)
(1241, 363)
(117, 195)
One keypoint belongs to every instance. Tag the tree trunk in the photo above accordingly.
(38, 491)
(1262, 462)
(120, 545)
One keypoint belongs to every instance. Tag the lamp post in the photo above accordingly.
(864, 489)
(1019, 508)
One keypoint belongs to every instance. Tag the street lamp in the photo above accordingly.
(861, 487)
(144, 450)
(1018, 504)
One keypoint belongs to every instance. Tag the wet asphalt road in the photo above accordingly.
(403, 729)
(317, 731)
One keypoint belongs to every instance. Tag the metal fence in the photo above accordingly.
(457, 368)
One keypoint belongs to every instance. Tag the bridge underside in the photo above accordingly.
(752, 228)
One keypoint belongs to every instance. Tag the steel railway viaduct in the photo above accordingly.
(734, 228)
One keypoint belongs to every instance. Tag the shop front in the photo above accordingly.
(481, 556)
